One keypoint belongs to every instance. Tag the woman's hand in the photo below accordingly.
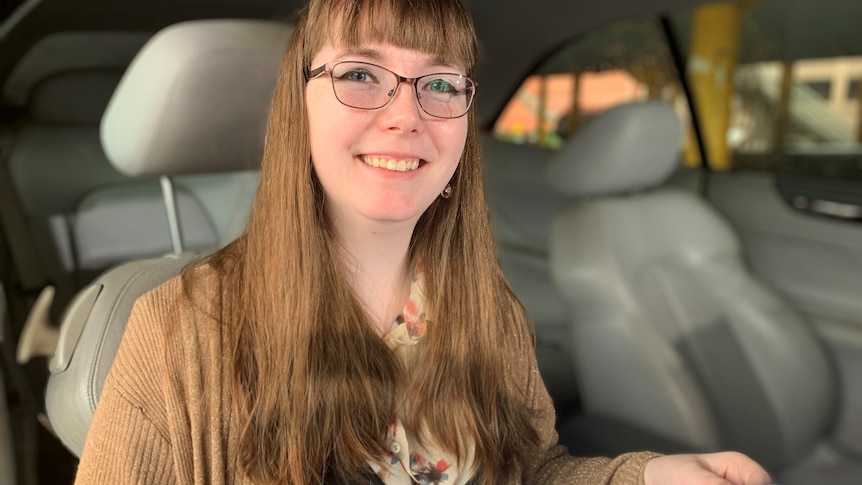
(710, 469)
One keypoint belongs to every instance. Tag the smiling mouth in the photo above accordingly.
(396, 165)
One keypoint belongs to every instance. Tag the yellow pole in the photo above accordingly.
(710, 70)
(690, 153)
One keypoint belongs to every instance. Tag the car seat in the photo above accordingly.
(78, 214)
(670, 331)
(195, 100)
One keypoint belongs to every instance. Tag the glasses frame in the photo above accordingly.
(414, 81)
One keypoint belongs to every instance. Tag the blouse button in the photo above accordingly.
(395, 447)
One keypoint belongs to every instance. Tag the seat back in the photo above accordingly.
(194, 101)
(54, 160)
(89, 338)
(521, 206)
(82, 215)
(671, 332)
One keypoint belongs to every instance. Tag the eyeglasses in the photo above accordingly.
(368, 86)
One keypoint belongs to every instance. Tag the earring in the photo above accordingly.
(447, 191)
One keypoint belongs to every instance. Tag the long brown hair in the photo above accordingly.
(314, 387)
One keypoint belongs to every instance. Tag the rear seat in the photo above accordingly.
(55, 158)
(83, 215)
(521, 206)
(194, 101)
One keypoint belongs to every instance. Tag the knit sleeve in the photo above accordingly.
(554, 466)
(124, 446)
(128, 440)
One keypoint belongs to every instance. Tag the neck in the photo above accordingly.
(376, 257)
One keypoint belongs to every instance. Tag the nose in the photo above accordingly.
(402, 111)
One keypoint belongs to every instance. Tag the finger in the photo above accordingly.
(710, 478)
(737, 468)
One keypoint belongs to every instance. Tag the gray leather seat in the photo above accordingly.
(670, 332)
(195, 100)
(84, 216)
(54, 160)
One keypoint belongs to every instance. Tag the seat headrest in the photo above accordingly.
(628, 148)
(196, 99)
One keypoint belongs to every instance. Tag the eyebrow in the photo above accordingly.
(377, 57)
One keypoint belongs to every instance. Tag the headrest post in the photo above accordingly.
(173, 213)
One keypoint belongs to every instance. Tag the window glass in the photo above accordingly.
(795, 103)
(620, 63)
(819, 110)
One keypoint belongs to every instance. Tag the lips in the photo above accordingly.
(390, 163)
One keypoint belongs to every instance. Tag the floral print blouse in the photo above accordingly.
(407, 462)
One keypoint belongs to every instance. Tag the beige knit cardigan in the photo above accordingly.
(164, 415)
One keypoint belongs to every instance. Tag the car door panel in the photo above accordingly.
(814, 261)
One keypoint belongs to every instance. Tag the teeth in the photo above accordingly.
(391, 163)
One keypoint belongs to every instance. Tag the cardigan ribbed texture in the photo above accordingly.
(164, 415)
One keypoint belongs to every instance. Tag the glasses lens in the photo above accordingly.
(362, 85)
(366, 86)
(445, 95)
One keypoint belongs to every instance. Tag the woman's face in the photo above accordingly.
(346, 141)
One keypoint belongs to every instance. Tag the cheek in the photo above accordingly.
(455, 138)
(316, 108)
(324, 125)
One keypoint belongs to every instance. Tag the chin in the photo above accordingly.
(395, 211)
(395, 218)
(402, 215)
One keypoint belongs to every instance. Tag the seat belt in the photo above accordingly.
(30, 273)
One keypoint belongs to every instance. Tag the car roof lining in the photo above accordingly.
(504, 54)
(508, 52)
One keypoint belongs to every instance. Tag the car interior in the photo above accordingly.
(679, 305)
(667, 318)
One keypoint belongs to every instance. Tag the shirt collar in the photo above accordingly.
(410, 325)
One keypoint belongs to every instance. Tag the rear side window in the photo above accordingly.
(795, 103)
(800, 117)
(616, 64)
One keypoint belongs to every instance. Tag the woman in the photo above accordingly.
(291, 357)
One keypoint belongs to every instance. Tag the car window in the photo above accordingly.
(804, 113)
(821, 109)
(795, 101)
(615, 64)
